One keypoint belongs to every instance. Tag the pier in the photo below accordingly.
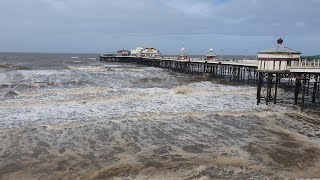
(277, 67)
(238, 70)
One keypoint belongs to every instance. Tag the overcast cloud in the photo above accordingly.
(106, 25)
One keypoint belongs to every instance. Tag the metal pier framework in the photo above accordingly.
(302, 87)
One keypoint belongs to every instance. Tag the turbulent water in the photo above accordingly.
(78, 118)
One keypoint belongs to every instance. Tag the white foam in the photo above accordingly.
(117, 96)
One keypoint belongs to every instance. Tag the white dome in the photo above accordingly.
(139, 48)
(136, 51)
(183, 49)
(211, 49)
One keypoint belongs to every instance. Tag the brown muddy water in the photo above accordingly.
(64, 118)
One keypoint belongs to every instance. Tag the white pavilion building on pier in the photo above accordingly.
(278, 58)
(146, 52)
(150, 52)
(137, 52)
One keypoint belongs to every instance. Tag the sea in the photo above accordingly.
(71, 116)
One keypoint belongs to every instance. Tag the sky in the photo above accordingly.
(96, 26)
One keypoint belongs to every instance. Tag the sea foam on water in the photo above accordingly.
(141, 122)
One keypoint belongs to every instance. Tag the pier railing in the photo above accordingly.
(229, 61)
(306, 66)
(309, 63)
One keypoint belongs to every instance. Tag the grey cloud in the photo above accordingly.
(68, 22)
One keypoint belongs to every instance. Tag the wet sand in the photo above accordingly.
(193, 146)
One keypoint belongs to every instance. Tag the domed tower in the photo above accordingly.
(182, 51)
(211, 56)
(278, 58)
(182, 55)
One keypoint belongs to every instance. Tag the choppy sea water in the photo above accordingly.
(70, 118)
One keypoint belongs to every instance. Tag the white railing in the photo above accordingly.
(243, 61)
(310, 63)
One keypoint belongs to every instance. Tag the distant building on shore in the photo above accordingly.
(278, 58)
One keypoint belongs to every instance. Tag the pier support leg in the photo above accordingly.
(249, 76)
(276, 90)
(244, 75)
(259, 85)
(269, 84)
(314, 93)
(297, 90)
(308, 87)
(303, 91)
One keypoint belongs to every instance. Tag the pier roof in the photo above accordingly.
(279, 49)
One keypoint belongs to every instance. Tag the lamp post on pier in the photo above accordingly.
(246, 55)
(221, 55)
(202, 54)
